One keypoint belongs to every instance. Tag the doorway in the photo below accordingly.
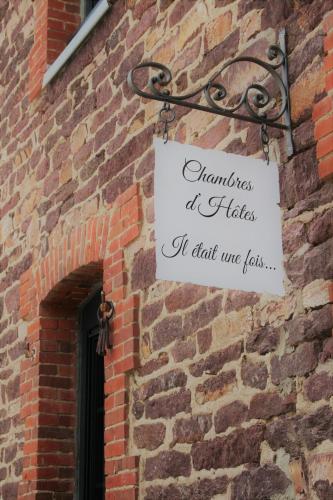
(90, 456)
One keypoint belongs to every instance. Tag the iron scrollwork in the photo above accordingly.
(260, 106)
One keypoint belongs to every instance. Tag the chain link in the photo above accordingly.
(265, 141)
(167, 116)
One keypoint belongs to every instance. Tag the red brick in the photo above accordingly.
(130, 235)
(127, 364)
(116, 384)
(328, 22)
(325, 146)
(117, 432)
(115, 416)
(326, 168)
(329, 81)
(123, 479)
(328, 63)
(323, 127)
(328, 42)
(115, 449)
(322, 108)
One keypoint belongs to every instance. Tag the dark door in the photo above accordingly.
(91, 412)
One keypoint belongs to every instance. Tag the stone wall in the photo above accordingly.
(233, 395)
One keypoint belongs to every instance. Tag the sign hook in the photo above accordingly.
(265, 141)
(167, 116)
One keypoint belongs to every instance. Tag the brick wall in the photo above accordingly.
(55, 22)
(218, 392)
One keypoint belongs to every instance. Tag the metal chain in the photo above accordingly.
(265, 141)
(167, 116)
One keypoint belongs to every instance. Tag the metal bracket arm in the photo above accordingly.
(256, 104)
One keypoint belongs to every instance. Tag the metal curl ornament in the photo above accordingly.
(255, 105)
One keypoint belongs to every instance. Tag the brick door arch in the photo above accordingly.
(50, 293)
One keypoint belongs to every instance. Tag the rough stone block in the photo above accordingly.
(191, 430)
(254, 374)
(169, 406)
(262, 482)
(240, 447)
(167, 464)
(230, 416)
(149, 436)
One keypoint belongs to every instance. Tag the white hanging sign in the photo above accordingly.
(218, 220)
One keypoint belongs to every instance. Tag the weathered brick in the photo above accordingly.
(267, 405)
(327, 352)
(10, 490)
(147, 19)
(240, 447)
(141, 7)
(219, 53)
(204, 339)
(167, 464)
(254, 374)
(202, 315)
(316, 263)
(291, 433)
(187, 56)
(237, 300)
(179, 11)
(230, 416)
(191, 430)
(313, 47)
(10, 453)
(146, 165)
(51, 220)
(169, 406)
(217, 30)
(204, 488)
(51, 183)
(298, 363)
(143, 271)
(13, 388)
(125, 155)
(118, 185)
(149, 436)
(304, 135)
(305, 90)
(184, 296)
(213, 363)
(154, 364)
(299, 169)
(215, 387)
(262, 482)
(3, 473)
(166, 331)
(315, 324)
(165, 382)
(319, 386)
(5, 425)
(321, 228)
(263, 340)
(128, 63)
(12, 299)
(183, 350)
(294, 236)
(316, 427)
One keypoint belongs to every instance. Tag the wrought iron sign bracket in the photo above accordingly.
(256, 104)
